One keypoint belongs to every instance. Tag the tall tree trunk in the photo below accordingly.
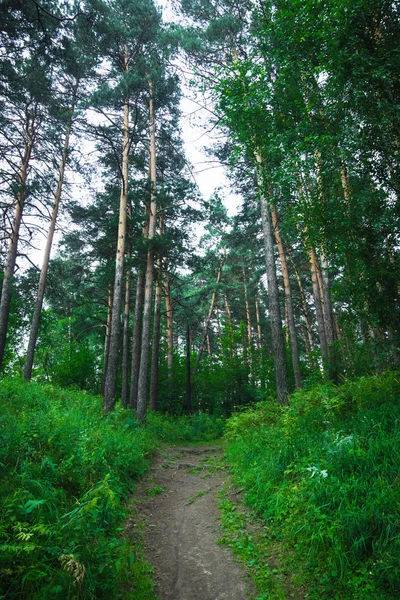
(9, 267)
(170, 326)
(107, 338)
(259, 334)
(318, 305)
(145, 349)
(249, 325)
(137, 336)
(125, 335)
(310, 332)
(288, 298)
(208, 319)
(112, 367)
(27, 372)
(281, 376)
(155, 348)
(188, 373)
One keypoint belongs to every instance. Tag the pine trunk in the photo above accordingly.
(125, 337)
(259, 334)
(27, 372)
(145, 349)
(170, 327)
(281, 376)
(155, 348)
(107, 338)
(137, 336)
(112, 367)
(288, 300)
(188, 372)
(11, 258)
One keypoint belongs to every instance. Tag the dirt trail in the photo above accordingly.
(182, 530)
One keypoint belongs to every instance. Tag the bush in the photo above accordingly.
(324, 473)
(65, 471)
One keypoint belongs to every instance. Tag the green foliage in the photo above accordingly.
(65, 471)
(324, 474)
(199, 427)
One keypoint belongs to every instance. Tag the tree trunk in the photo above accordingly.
(125, 336)
(27, 372)
(249, 326)
(107, 338)
(170, 326)
(310, 332)
(208, 319)
(112, 367)
(137, 336)
(289, 302)
(11, 258)
(259, 334)
(155, 348)
(188, 374)
(318, 305)
(281, 376)
(145, 350)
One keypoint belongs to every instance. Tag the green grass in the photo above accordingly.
(324, 476)
(66, 474)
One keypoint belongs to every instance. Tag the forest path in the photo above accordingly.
(179, 502)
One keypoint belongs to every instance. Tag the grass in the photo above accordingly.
(67, 472)
(324, 476)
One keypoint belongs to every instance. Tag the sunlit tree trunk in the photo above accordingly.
(259, 334)
(137, 336)
(27, 372)
(148, 293)
(188, 371)
(9, 267)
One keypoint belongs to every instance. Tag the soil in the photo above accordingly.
(179, 502)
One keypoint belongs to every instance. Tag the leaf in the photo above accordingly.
(30, 505)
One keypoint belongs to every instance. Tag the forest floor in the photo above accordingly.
(177, 505)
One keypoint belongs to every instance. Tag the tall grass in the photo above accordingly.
(324, 474)
(66, 471)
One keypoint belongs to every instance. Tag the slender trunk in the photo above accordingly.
(125, 336)
(11, 258)
(170, 327)
(208, 319)
(27, 372)
(107, 338)
(112, 367)
(304, 304)
(188, 374)
(259, 334)
(155, 349)
(318, 305)
(329, 321)
(249, 326)
(208, 344)
(282, 388)
(145, 349)
(288, 299)
(137, 336)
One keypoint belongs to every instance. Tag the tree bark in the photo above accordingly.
(188, 373)
(249, 325)
(281, 376)
(289, 301)
(112, 367)
(170, 327)
(27, 372)
(9, 267)
(145, 349)
(259, 334)
(318, 305)
(107, 338)
(310, 332)
(155, 348)
(125, 336)
(137, 336)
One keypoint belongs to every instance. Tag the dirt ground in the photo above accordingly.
(179, 502)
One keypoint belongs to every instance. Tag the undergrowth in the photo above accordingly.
(66, 473)
(324, 475)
